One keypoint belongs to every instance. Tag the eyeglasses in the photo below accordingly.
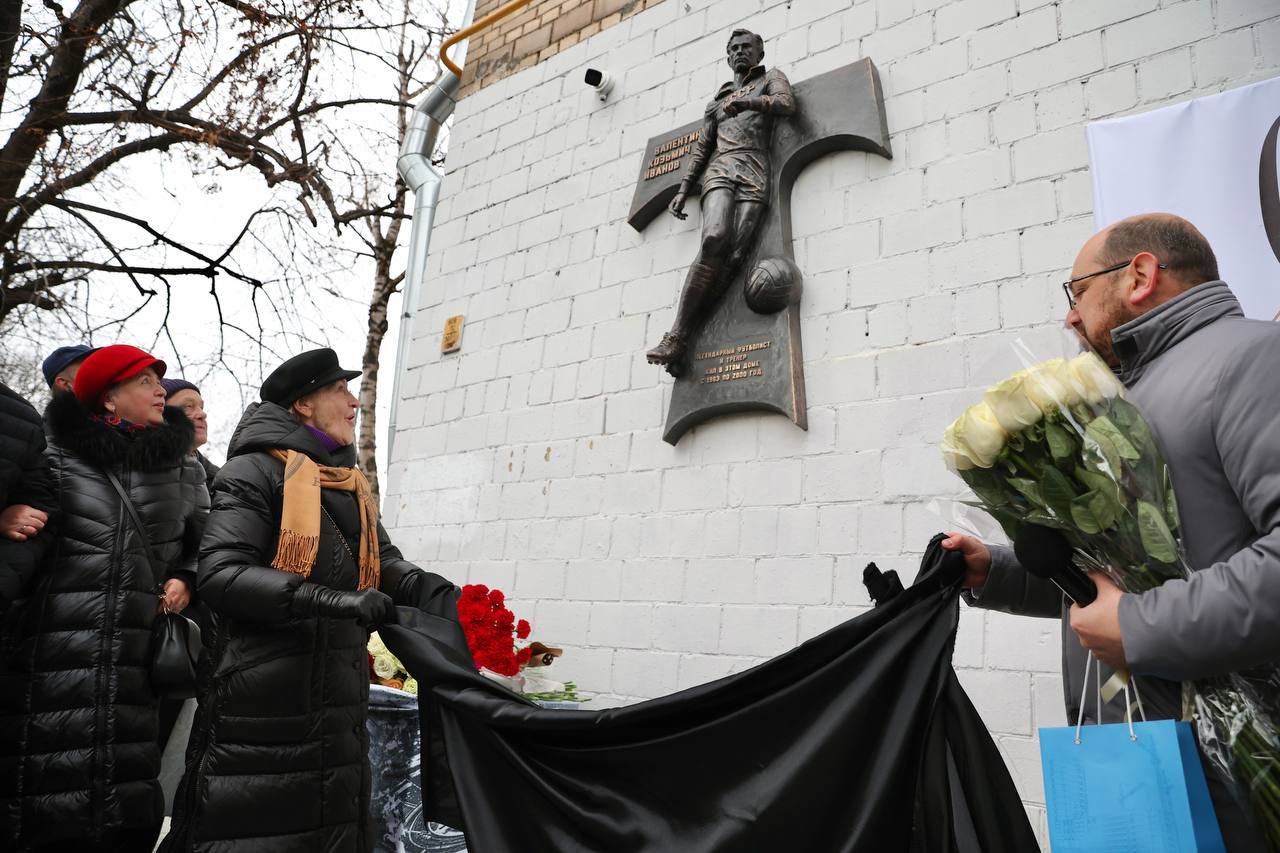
(1069, 289)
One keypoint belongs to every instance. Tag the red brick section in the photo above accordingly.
(539, 31)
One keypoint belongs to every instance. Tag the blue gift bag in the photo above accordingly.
(1132, 787)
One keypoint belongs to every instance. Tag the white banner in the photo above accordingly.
(1213, 161)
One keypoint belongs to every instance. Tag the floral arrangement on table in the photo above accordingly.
(497, 642)
(492, 630)
(1058, 445)
(386, 669)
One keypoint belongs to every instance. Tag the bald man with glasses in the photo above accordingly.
(1146, 295)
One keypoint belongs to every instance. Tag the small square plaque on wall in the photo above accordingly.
(451, 340)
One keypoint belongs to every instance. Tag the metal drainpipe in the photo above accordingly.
(414, 166)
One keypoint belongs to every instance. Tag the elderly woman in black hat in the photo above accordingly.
(296, 569)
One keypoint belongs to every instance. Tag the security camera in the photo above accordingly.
(601, 81)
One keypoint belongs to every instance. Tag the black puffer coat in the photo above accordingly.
(78, 719)
(210, 470)
(278, 759)
(24, 479)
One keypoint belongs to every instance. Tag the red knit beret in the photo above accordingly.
(109, 365)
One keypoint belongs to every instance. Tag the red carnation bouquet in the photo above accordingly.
(492, 630)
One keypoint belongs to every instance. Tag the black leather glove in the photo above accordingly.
(369, 607)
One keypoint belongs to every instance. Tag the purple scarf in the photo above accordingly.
(323, 437)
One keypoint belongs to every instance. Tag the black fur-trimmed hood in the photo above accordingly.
(73, 429)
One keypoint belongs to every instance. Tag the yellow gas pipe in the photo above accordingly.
(487, 20)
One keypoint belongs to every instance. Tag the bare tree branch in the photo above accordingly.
(214, 265)
(29, 205)
(274, 91)
(65, 67)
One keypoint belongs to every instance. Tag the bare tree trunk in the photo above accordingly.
(382, 243)
(384, 284)
(10, 21)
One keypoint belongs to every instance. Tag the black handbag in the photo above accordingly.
(175, 639)
(175, 651)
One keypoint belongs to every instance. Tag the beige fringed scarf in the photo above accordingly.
(300, 518)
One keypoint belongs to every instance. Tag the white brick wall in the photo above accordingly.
(532, 460)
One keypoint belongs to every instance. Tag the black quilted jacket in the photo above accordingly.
(278, 760)
(78, 720)
(24, 479)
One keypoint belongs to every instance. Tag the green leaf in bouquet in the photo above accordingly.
(1101, 454)
(1130, 421)
(1171, 507)
(1171, 503)
(1120, 412)
(1084, 518)
(1103, 426)
(1107, 488)
(1081, 413)
(1009, 520)
(986, 485)
(1157, 539)
(1109, 508)
(1131, 537)
(1029, 489)
(1148, 476)
(1057, 492)
(1094, 512)
(1143, 571)
(1096, 481)
(1059, 441)
(1046, 520)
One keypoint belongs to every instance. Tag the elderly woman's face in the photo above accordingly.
(192, 405)
(138, 399)
(332, 410)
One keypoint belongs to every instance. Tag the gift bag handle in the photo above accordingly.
(1125, 679)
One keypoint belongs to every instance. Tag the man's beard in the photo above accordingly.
(1100, 339)
(1101, 344)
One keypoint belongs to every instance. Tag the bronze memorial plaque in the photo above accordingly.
(451, 340)
(735, 342)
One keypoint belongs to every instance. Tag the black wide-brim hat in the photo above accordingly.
(302, 374)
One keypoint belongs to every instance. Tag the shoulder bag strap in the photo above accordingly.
(133, 514)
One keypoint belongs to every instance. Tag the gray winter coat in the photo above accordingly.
(1208, 382)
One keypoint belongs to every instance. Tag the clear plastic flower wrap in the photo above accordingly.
(1057, 444)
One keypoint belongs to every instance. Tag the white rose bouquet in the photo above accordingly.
(386, 669)
(1057, 445)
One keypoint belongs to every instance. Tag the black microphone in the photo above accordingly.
(1046, 553)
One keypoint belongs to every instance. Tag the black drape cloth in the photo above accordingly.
(860, 739)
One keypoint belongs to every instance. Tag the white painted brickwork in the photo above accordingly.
(533, 460)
